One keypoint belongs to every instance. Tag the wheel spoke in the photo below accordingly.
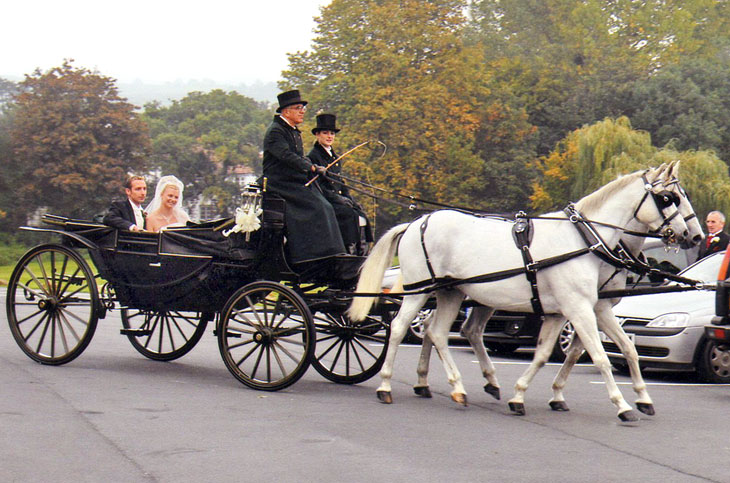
(39, 261)
(62, 313)
(70, 279)
(334, 343)
(337, 356)
(44, 291)
(256, 364)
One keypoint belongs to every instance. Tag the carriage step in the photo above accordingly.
(136, 332)
(230, 335)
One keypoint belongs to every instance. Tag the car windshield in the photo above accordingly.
(706, 269)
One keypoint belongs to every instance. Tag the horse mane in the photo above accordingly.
(595, 200)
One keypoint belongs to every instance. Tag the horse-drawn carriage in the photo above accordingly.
(271, 320)
(274, 320)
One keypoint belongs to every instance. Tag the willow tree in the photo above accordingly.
(399, 71)
(596, 154)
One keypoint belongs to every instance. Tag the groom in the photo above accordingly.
(128, 214)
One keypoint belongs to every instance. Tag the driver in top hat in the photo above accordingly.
(311, 224)
(350, 215)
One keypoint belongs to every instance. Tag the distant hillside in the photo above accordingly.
(139, 92)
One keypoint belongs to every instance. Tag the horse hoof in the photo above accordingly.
(628, 416)
(559, 406)
(385, 397)
(492, 391)
(646, 408)
(459, 398)
(422, 391)
(517, 408)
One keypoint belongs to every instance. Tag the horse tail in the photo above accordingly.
(373, 270)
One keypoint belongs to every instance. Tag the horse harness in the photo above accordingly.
(619, 257)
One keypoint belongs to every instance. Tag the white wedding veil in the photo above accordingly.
(180, 214)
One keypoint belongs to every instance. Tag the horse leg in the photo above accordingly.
(557, 403)
(545, 342)
(473, 330)
(607, 323)
(398, 327)
(586, 327)
(448, 303)
(421, 388)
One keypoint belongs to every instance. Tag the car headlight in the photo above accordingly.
(677, 319)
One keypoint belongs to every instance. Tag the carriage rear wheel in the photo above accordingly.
(52, 304)
(266, 336)
(164, 335)
(349, 352)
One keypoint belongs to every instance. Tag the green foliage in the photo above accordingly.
(704, 176)
(200, 137)
(592, 156)
(400, 72)
(687, 105)
(587, 159)
(73, 140)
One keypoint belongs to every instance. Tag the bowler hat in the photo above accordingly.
(325, 122)
(289, 98)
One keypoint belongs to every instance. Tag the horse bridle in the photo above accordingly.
(663, 200)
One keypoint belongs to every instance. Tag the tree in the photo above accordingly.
(587, 159)
(200, 137)
(687, 105)
(73, 141)
(573, 63)
(400, 72)
(593, 155)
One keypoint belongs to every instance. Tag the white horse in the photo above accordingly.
(461, 246)
(611, 278)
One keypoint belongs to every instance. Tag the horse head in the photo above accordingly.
(658, 208)
(685, 207)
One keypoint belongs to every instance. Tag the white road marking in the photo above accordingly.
(678, 384)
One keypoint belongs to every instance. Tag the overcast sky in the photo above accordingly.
(227, 41)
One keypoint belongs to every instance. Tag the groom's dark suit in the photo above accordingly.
(120, 215)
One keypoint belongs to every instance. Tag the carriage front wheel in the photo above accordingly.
(350, 352)
(52, 304)
(163, 335)
(266, 336)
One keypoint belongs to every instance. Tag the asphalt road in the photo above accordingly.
(112, 415)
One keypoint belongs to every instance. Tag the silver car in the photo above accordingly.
(668, 328)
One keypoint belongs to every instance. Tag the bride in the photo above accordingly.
(165, 209)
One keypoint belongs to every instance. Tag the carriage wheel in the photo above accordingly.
(164, 335)
(349, 352)
(266, 336)
(52, 304)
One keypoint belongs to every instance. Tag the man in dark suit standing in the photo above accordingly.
(716, 240)
(128, 214)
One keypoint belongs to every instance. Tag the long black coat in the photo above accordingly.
(718, 244)
(311, 225)
(347, 210)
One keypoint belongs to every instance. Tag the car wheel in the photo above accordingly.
(714, 362)
(416, 329)
(565, 337)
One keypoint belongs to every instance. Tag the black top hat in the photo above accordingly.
(289, 98)
(325, 122)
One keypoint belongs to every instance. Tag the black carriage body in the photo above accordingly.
(272, 320)
(194, 268)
